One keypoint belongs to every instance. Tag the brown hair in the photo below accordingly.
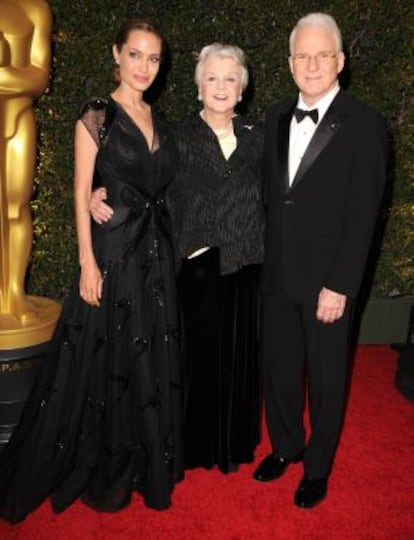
(122, 34)
(129, 25)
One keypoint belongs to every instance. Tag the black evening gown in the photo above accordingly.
(104, 416)
(220, 363)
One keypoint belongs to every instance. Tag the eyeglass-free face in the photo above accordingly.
(139, 60)
(220, 85)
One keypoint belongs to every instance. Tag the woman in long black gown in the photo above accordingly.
(103, 419)
(218, 223)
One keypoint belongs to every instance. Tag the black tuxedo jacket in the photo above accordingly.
(319, 229)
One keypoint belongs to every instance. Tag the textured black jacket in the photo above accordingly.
(217, 202)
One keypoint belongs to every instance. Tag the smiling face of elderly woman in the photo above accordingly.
(221, 76)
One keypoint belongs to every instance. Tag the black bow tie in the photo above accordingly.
(300, 114)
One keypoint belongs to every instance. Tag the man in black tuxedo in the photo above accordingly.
(324, 162)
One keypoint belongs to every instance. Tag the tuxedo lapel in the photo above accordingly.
(327, 129)
(283, 146)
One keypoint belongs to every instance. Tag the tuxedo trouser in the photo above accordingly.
(300, 353)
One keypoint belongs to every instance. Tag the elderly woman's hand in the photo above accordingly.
(100, 211)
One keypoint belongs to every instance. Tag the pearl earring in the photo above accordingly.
(200, 97)
(240, 98)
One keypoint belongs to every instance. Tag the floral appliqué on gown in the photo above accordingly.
(104, 417)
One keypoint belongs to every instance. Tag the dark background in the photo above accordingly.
(379, 43)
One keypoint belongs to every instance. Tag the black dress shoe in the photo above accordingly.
(311, 491)
(273, 467)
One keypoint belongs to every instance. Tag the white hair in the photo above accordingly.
(220, 50)
(321, 20)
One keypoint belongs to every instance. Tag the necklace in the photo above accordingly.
(220, 133)
(224, 132)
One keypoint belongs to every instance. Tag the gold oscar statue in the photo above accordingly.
(25, 53)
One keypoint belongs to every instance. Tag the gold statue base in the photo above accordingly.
(35, 329)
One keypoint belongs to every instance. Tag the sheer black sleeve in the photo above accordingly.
(92, 114)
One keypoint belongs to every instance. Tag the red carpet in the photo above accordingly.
(371, 493)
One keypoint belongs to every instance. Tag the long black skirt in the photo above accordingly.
(222, 393)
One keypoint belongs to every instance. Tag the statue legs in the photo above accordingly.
(19, 164)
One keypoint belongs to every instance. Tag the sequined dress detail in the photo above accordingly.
(104, 417)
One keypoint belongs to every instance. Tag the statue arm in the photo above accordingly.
(32, 79)
(28, 81)
(40, 53)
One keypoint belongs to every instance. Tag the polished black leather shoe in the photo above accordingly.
(272, 467)
(311, 491)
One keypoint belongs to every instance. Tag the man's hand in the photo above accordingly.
(331, 306)
(99, 210)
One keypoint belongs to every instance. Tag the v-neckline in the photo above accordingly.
(149, 147)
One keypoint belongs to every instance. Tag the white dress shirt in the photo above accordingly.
(301, 133)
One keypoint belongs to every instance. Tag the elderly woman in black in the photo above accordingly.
(218, 223)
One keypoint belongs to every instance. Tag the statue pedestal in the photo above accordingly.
(22, 346)
(38, 328)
